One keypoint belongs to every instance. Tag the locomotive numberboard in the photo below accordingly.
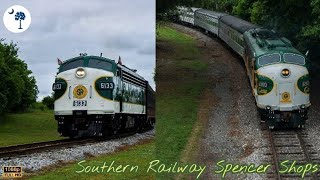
(79, 103)
(106, 85)
(56, 86)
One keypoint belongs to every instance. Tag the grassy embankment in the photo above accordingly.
(26, 128)
(180, 78)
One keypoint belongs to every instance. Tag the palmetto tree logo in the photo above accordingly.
(17, 19)
(20, 16)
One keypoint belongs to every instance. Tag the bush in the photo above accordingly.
(48, 101)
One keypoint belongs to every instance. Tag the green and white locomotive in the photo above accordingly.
(277, 72)
(279, 78)
(94, 96)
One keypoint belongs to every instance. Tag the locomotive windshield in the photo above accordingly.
(269, 59)
(294, 58)
(71, 65)
(100, 64)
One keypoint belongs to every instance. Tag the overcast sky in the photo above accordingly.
(63, 29)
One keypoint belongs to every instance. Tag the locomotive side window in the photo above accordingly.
(269, 59)
(71, 65)
(294, 58)
(100, 64)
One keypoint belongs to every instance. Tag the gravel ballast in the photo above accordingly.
(36, 161)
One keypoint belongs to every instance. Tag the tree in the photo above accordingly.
(243, 9)
(309, 38)
(18, 89)
(49, 101)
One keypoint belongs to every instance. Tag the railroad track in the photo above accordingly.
(284, 148)
(24, 149)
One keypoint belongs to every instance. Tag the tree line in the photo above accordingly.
(18, 88)
(297, 20)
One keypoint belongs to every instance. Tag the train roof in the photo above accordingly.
(194, 8)
(265, 42)
(237, 23)
(130, 71)
(210, 13)
(86, 57)
(72, 63)
(187, 8)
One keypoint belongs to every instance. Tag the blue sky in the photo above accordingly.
(63, 29)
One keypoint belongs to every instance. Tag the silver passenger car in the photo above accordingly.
(208, 20)
(231, 31)
(186, 14)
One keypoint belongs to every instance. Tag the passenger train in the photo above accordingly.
(278, 73)
(95, 96)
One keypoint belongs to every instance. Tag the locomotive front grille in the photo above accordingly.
(79, 113)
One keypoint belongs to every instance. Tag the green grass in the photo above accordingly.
(177, 98)
(185, 47)
(27, 128)
(139, 155)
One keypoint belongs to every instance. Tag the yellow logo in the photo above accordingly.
(285, 96)
(262, 91)
(11, 171)
(80, 92)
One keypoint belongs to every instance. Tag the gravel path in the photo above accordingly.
(36, 161)
(313, 124)
(233, 131)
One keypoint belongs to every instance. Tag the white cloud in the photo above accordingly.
(65, 28)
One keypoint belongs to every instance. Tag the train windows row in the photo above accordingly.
(206, 19)
(232, 34)
(189, 15)
(92, 63)
(132, 93)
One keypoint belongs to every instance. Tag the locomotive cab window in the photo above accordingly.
(100, 64)
(269, 59)
(71, 65)
(294, 58)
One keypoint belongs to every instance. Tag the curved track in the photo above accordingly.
(290, 145)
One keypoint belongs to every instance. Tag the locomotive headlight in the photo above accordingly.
(285, 72)
(80, 72)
